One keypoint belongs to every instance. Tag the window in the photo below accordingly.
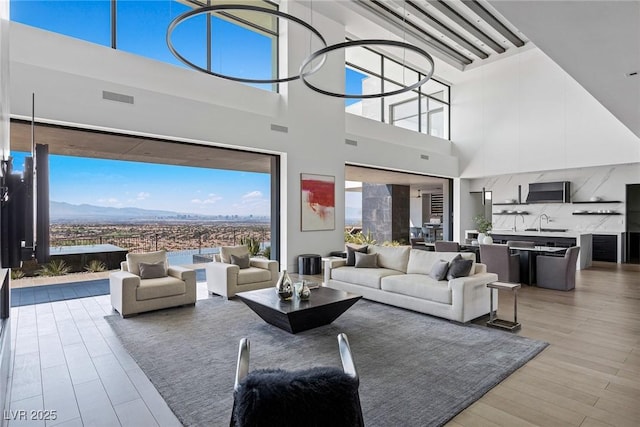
(424, 110)
(86, 20)
(241, 43)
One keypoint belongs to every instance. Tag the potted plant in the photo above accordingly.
(483, 225)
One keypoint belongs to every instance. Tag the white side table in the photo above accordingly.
(494, 322)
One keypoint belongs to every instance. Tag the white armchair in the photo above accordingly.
(146, 282)
(227, 279)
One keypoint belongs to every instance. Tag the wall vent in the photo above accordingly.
(424, 157)
(118, 97)
(351, 142)
(279, 128)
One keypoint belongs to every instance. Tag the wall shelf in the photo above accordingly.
(596, 213)
(511, 213)
(599, 201)
(507, 204)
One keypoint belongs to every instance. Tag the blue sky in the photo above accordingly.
(117, 183)
(141, 29)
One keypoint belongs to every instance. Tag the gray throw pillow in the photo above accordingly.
(152, 270)
(351, 258)
(241, 261)
(459, 267)
(366, 260)
(439, 270)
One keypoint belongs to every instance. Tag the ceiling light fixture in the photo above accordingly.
(354, 43)
(307, 68)
(225, 7)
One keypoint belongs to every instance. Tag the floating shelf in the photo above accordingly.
(596, 213)
(511, 213)
(599, 201)
(507, 204)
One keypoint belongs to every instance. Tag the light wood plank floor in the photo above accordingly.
(65, 357)
(590, 373)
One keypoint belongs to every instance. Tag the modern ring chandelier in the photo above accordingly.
(306, 68)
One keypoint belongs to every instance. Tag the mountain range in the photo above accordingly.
(62, 211)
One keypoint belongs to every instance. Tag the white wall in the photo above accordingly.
(524, 113)
(68, 77)
(606, 182)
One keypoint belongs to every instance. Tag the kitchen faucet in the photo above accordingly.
(540, 221)
(514, 221)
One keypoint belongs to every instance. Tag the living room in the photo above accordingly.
(518, 113)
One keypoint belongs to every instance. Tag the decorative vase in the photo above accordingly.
(284, 286)
(487, 240)
(305, 292)
(481, 237)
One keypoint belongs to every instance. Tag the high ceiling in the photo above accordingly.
(595, 42)
(459, 33)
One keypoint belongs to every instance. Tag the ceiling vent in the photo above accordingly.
(118, 97)
(351, 142)
(279, 128)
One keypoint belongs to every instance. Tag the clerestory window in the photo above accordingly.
(238, 43)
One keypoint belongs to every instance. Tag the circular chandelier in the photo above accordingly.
(223, 7)
(354, 43)
(305, 70)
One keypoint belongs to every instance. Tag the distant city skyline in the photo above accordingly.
(118, 183)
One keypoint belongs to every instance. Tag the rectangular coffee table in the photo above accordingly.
(323, 307)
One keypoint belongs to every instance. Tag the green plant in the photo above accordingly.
(267, 252)
(54, 268)
(359, 238)
(392, 243)
(252, 243)
(482, 224)
(95, 266)
(17, 274)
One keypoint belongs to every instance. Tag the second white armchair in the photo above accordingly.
(234, 271)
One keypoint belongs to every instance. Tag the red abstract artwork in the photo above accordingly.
(318, 200)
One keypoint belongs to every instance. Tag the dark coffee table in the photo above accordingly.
(324, 306)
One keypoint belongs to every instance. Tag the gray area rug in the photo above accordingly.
(415, 370)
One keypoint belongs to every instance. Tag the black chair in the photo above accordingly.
(446, 246)
(320, 396)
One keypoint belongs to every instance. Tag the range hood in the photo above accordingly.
(549, 192)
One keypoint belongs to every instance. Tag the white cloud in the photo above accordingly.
(211, 199)
(143, 196)
(253, 195)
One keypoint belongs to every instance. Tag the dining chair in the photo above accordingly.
(499, 260)
(559, 273)
(446, 246)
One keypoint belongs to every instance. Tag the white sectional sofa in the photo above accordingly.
(402, 279)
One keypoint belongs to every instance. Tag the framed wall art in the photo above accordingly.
(318, 202)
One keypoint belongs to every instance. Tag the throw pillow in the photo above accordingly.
(351, 258)
(227, 251)
(439, 270)
(459, 267)
(152, 270)
(366, 260)
(134, 259)
(241, 261)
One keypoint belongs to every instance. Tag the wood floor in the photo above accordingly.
(589, 375)
(65, 357)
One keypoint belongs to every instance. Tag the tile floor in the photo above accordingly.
(65, 358)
